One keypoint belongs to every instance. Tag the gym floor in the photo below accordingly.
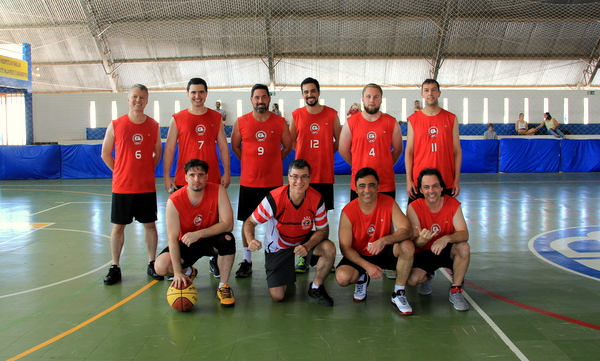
(532, 285)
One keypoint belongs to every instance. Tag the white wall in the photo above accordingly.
(64, 117)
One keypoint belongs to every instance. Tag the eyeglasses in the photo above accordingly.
(296, 177)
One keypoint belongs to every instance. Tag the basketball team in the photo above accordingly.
(376, 238)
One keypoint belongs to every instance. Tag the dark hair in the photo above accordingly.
(549, 116)
(197, 81)
(195, 163)
(310, 81)
(366, 171)
(430, 171)
(430, 81)
(299, 164)
(141, 87)
(259, 86)
(491, 125)
(372, 85)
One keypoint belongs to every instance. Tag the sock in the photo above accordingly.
(314, 287)
(221, 284)
(247, 255)
(362, 278)
(398, 288)
(188, 271)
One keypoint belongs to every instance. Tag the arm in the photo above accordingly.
(420, 236)
(169, 155)
(461, 233)
(316, 238)
(554, 123)
(224, 152)
(157, 148)
(173, 230)
(248, 230)
(236, 141)
(457, 158)
(345, 239)
(107, 147)
(403, 232)
(345, 144)
(396, 143)
(293, 132)
(411, 188)
(337, 128)
(286, 141)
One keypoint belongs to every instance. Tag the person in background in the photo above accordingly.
(490, 133)
(522, 127)
(551, 126)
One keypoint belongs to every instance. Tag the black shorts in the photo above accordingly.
(429, 262)
(354, 195)
(326, 190)
(280, 266)
(126, 207)
(249, 199)
(204, 247)
(385, 259)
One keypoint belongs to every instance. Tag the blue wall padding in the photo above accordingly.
(83, 161)
(529, 155)
(580, 155)
(30, 162)
(480, 156)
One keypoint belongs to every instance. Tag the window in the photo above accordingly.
(12, 119)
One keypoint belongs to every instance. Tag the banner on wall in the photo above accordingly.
(14, 68)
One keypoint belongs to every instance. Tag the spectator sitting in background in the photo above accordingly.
(522, 127)
(353, 110)
(551, 126)
(490, 133)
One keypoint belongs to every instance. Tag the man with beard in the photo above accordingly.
(199, 223)
(372, 139)
(260, 140)
(315, 131)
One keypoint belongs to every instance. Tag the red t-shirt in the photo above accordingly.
(433, 146)
(133, 170)
(202, 216)
(261, 164)
(441, 221)
(197, 138)
(369, 228)
(372, 147)
(314, 142)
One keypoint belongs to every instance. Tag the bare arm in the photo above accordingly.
(345, 239)
(107, 147)
(248, 230)
(411, 188)
(157, 148)
(224, 152)
(345, 144)
(316, 238)
(457, 158)
(286, 141)
(461, 233)
(293, 132)
(337, 128)
(396, 143)
(403, 232)
(170, 144)
(173, 230)
(236, 141)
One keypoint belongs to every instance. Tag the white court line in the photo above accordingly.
(490, 322)
(51, 208)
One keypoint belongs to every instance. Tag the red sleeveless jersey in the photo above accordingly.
(197, 138)
(314, 142)
(202, 216)
(369, 228)
(134, 155)
(440, 222)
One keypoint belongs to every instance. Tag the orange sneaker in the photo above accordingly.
(225, 294)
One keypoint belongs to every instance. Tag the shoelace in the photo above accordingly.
(225, 292)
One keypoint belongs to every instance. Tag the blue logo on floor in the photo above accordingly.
(574, 249)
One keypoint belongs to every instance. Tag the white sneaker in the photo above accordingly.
(458, 300)
(400, 303)
(360, 289)
(426, 287)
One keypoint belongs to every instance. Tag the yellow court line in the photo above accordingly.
(54, 190)
(66, 333)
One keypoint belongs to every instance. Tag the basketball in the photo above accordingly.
(182, 299)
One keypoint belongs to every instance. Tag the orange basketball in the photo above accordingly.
(182, 299)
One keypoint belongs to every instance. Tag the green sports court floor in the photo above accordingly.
(533, 285)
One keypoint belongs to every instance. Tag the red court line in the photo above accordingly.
(531, 308)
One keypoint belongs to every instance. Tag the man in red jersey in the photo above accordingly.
(374, 235)
(136, 140)
(292, 211)
(199, 223)
(440, 235)
(195, 131)
(372, 139)
(260, 140)
(432, 142)
(315, 131)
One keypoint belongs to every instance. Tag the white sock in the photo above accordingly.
(188, 271)
(314, 287)
(247, 255)
(221, 284)
(398, 288)
(362, 278)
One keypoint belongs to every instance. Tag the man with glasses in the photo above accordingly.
(296, 225)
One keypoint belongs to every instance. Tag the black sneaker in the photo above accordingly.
(152, 273)
(213, 266)
(320, 295)
(244, 270)
(113, 276)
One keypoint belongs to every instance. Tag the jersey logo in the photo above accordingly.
(200, 129)
(436, 228)
(198, 220)
(137, 139)
(314, 128)
(371, 137)
(576, 250)
(261, 136)
(306, 223)
(433, 131)
(371, 230)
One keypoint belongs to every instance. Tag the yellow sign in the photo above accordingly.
(14, 68)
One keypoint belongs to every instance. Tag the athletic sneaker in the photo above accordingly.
(225, 294)
(213, 266)
(301, 266)
(152, 273)
(426, 287)
(193, 274)
(360, 289)
(320, 295)
(390, 274)
(244, 270)
(113, 276)
(458, 300)
(400, 303)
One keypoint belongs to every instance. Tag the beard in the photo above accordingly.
(261, 108)
(371, 110)
(311, 102)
